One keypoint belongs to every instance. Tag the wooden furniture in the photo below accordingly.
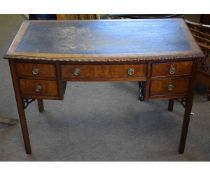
(46, 54)
(141, 90)
(141, 16)
(77, 16)
(205, 19)
(201, 33)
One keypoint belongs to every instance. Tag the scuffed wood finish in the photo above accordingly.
(104, 72)
(103, 50)
(163, 69)
(43, 70)
(48, 88)
(160, 87)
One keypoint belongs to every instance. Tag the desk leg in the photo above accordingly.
(185, 124)
(40, 105)
(188, 108)
(171, 105)
(141, 90)
(20, 106)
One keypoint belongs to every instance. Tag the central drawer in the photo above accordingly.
(130, 72)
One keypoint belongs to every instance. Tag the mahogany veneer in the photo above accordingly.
(38, 88)
(36, 70)
(169, 87)
(165, 69)
(161, 53)
(104, 72)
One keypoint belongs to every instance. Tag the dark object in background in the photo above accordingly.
(42, 17)
(144, 16)
(201, 33)
(205, 19)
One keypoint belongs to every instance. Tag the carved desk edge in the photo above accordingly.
(195, 53)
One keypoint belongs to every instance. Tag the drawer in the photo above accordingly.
(104, 72)
(171, 69)
(35, 70)
(171, 86)
(38, 88)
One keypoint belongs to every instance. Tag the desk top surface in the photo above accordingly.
(104, 40)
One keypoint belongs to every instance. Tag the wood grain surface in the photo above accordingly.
(104, 72)
(43, 70)
(163, 69)
(160, 86)
(48, 88)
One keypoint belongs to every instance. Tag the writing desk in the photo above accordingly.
(161, 53)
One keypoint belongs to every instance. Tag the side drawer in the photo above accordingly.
(172, 86)
(35, 70)
(171, 69)
(38, 88)
(104, 72)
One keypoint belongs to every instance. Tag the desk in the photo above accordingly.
(161, 53)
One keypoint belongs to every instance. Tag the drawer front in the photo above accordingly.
(171, 86)
(35, 70)
(171, 69)
(104, 72)
(38, 88)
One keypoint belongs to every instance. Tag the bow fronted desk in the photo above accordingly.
(159, 53)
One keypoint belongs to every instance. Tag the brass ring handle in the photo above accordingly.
(76, 71)
(131, 71)
(172, 70)
(35, 71)
(170, 87)
(38, 88)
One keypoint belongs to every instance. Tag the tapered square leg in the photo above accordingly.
(185, 125)
(20, 106)
(188, 109)
(24, 127)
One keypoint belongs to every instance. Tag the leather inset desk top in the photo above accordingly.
(101, 40)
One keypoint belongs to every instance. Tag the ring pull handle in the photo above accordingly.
(172, 69)
(131, 71)
(35, 71)
(170, 87)
(76, 71)
(38, 88)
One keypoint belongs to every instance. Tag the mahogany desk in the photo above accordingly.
(161, 53)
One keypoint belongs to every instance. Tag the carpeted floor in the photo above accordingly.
(98, 122)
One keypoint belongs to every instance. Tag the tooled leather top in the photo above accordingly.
(104, 40)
